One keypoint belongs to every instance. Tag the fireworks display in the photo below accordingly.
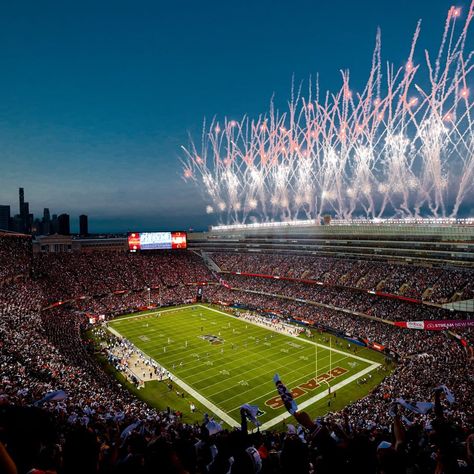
(397, 148)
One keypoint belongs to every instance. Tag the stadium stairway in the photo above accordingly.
(213, 267)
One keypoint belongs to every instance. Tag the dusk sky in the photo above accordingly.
(96, 97)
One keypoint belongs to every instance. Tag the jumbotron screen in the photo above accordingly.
(138, 241)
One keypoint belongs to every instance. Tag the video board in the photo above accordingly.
(140, 241)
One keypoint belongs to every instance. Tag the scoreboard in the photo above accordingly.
(139, 241)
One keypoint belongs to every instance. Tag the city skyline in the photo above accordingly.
(45, 223)
(93, 118)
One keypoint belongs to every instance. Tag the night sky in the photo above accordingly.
(97, 96)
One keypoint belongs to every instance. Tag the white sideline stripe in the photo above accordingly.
(114, 332)
(224, 416)
(319, 396)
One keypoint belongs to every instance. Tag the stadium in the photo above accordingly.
(318, 319)
(356, 318)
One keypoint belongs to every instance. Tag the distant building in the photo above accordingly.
(24, 208)
(46, 224)
(83, 225)
(107, 244)
(53, 243)
(29, 222)
(54, 224)
(67, 243)
(17, 224)
(5, 217)
(19, 219)
(63, 224)
(21, 195)
(37, 227)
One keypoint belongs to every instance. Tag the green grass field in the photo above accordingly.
(223, 362)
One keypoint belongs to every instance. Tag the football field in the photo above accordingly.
(224, 361)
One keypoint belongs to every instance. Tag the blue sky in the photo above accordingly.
(96, 97)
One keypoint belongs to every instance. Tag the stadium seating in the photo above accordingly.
(15, 256)
(101, 427)
(410, 281)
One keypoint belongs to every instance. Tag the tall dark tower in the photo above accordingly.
(83, 225)
(46, 224)
(24, 211)
(4, 217)
(54, 224)
(22, 200)
(63, 224)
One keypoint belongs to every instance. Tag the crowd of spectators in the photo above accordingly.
(437, 285)
(15, 256)
(344, 298)
(128, 359)
(275, 323)
(71, 275)
(94, 425)
(121, 303)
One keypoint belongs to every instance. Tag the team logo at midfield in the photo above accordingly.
(212, 339)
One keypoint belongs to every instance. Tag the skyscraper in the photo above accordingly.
(63, 224)
(26, 219)
(83, 225)
(54, 224)
(46, 224)
(21, 193)
(21, 223)
(5, 217)
(36, 226)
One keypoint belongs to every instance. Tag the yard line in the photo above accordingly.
(170, 353)
(150, 330)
